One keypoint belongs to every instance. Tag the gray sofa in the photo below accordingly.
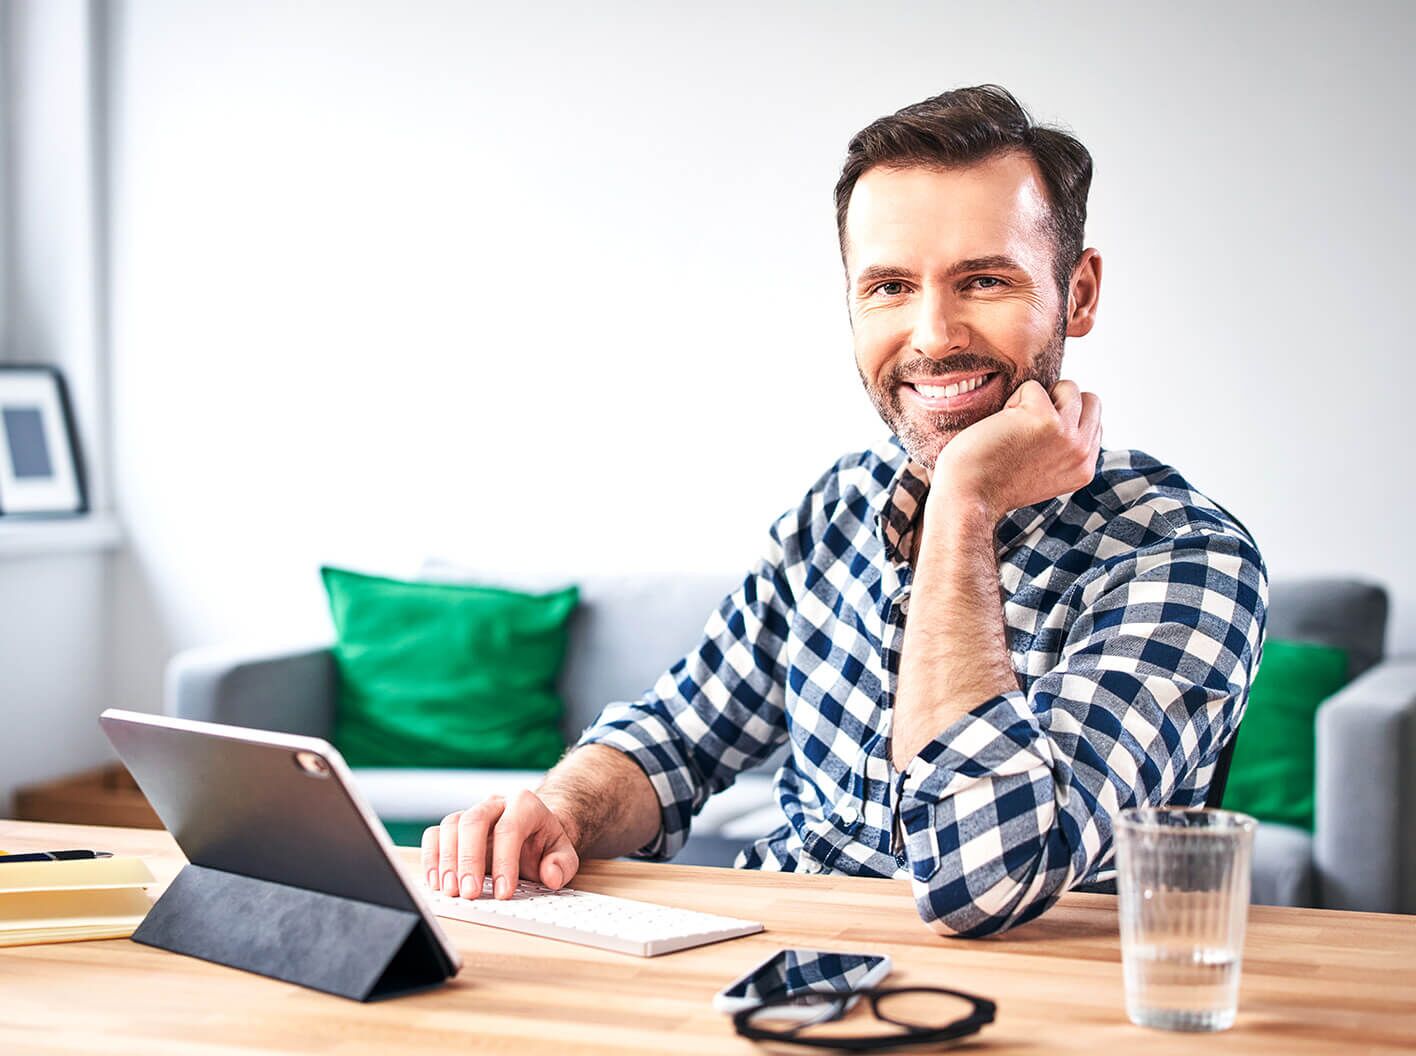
(630, 628)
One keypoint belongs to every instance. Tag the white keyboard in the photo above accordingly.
(620, 924)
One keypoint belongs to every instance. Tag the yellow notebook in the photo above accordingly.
(86, 898)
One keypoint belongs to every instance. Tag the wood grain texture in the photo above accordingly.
(1313, 980)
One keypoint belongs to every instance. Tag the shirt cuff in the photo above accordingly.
(649, 741)
(999, 738)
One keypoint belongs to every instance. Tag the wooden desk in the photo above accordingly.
(1313, 980)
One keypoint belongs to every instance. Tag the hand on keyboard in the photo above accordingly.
(516, 837)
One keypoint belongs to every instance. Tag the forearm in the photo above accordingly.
(1145, 687)
(604, 800)
(955, 652)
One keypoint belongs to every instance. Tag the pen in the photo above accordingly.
(53, 856)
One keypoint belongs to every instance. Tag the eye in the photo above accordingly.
(994, 281)
(882, 285)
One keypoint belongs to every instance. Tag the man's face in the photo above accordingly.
(950, 283)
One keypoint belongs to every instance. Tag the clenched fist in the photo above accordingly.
(1037, 447)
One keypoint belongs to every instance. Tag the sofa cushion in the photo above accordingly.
(442, 675)
(627, 631)
(1345, 613)
(1272, 773)
(1283, 867)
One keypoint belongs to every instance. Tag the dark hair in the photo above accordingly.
(969, 125)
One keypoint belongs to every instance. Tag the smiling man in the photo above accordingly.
(982, 638)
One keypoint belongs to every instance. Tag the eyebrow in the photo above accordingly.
(996, 262)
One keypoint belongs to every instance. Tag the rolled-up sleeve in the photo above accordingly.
(717, 711)
(1015, 801)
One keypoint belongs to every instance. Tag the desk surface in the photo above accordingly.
(1313, 980)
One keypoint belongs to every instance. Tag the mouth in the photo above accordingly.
(959, 394)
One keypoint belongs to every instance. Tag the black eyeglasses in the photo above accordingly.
(905, 1015)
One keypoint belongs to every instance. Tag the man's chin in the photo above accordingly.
(924, 436)
(924, 448)
(924, 440)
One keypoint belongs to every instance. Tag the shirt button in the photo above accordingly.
(810, 867)
(848, 815)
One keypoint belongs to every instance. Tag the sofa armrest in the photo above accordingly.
(1363, 850)
(291, 692)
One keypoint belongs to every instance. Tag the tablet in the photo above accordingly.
(273, 806)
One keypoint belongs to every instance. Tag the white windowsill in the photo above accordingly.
(23, 537)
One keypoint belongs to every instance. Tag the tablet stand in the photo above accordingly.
(339, 945)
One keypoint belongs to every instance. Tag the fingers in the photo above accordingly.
(447, 854)
(1064, 392)
(522, 837)
(430, 855)
(1028, 393)
(512, 831)
(559, 863)
(1089, 421)
(1089, 436)
(473, 830)
(1066, 398)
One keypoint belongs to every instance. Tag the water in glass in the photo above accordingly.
(1183, 882)
(1182, 987)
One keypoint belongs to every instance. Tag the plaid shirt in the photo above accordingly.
(1134, 612)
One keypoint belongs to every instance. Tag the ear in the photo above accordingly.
(1083, 292)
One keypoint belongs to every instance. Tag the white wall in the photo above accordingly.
(557, 285)
(54, 584)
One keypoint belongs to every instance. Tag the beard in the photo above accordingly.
(924, 434)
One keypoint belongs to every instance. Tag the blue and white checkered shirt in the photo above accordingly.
(1134, 610)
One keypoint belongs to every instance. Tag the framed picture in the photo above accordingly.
(39, 458)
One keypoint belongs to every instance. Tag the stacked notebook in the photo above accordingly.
(90, 898)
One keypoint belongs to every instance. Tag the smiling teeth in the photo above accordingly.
(934, 392)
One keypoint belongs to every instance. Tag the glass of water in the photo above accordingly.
(1183, 881)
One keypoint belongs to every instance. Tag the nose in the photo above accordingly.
(938, 332)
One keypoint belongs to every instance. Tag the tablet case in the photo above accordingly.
(289, 875)
(339, 945)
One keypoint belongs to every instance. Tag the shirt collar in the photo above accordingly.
(897, 507)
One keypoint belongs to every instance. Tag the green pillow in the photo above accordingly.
(446, 675)
(1272, 773)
